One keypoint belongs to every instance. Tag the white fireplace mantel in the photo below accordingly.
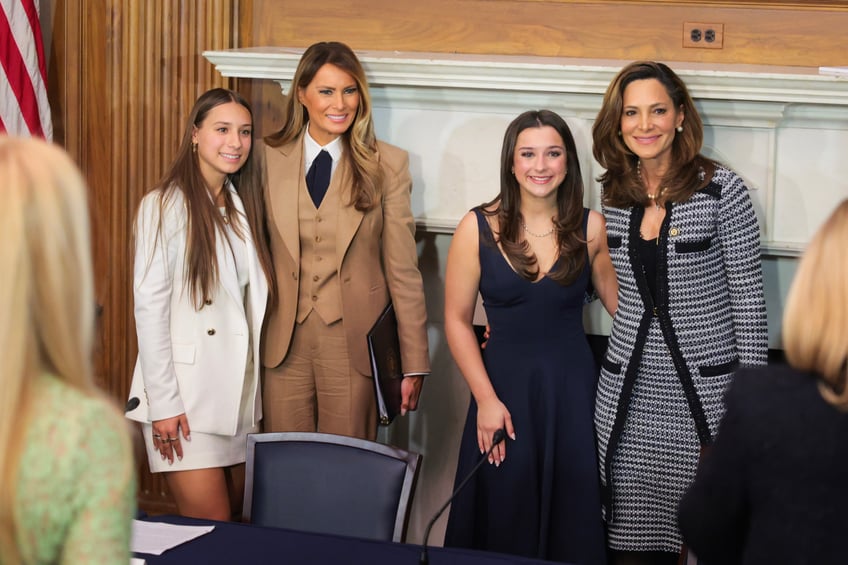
(544, 74)
(784, 129)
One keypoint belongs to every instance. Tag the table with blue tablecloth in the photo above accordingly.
(233, 543)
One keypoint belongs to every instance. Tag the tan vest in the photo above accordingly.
(319, 286)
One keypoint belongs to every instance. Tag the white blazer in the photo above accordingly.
(192, 361)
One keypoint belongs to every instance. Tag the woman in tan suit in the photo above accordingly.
(342, 249)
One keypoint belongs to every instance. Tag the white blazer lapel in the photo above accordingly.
(227, 272)
(258, 289)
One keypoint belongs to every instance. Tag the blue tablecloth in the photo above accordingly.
(236, 544)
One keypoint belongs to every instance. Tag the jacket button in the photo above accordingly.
(674, 232)
(315, 278)
(294, 276)
(211, 331)
(655, 312)
(208, 301)
(314, 298)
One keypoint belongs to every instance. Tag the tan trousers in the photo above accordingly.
(316, 389)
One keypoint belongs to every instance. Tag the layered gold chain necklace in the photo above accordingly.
(656, 198)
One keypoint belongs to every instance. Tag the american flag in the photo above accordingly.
(24, 109)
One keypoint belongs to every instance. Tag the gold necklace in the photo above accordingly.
(534, 234)
(655, 198)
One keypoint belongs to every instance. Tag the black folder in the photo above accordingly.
(384, 351)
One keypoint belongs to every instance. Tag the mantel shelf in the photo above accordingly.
(545, 74)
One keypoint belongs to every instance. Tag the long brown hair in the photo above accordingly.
(569, 221)
(689, 170)
(203, 221)
(359, 140)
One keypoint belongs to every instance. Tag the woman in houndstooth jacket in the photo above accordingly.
(684, 239)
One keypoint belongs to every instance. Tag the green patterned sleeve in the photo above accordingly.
(104, 500)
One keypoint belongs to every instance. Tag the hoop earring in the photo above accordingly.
(679, 129)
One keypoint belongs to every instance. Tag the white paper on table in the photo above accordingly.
(157, 537)
(138, 561)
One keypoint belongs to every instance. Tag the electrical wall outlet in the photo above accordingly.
(703, 35)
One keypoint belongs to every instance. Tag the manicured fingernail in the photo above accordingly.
(512, 435)
(180, 457)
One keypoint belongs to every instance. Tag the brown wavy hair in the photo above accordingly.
(203, 221)
(689, 170)
(359, 140)
(569, 221)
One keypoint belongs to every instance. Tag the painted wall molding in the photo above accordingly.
(783, 128)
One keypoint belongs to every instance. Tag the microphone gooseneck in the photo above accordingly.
(497, 437)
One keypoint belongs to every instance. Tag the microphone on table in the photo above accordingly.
(497, 438)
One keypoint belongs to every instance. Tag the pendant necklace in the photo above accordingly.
(655, 198)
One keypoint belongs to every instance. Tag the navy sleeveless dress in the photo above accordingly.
(544, 500)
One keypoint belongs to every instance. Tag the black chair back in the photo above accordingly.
(328, 483)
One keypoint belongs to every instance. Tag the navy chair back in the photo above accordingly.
(330, 484)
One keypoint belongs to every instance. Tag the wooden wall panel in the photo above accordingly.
(782, 33)
(125, 76)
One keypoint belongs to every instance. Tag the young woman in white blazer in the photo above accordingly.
(202, 276)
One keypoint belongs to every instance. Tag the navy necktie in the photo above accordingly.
(318, 177)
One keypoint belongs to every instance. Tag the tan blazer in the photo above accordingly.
(364, 244)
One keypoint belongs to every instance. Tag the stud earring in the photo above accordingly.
(619, 133)
(679, 129)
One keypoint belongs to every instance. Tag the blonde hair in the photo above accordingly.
(359, 138)
(46, 295)
(816, 312)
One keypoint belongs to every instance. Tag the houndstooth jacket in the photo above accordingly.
(710, 301)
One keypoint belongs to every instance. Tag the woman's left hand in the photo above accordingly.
(410, 390)
(166, 436)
